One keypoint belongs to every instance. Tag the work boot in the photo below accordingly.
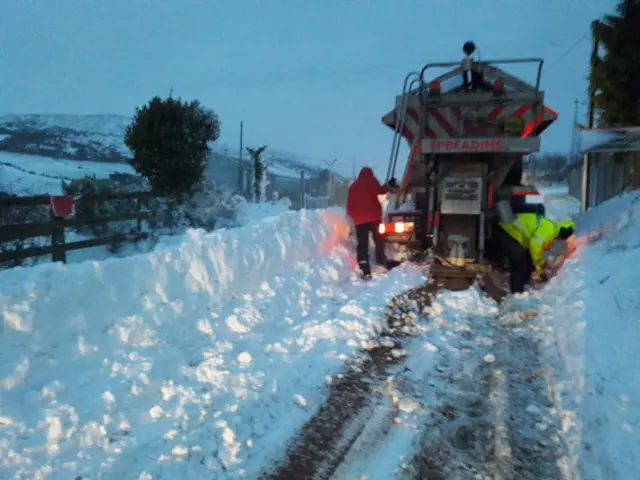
(365, 268)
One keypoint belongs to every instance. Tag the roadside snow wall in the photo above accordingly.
(180, 272)
(130, 365)
(593, 311)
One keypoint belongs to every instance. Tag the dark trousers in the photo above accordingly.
(362, 236)
(519, 259)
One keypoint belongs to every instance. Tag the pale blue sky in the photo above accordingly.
(312, 77)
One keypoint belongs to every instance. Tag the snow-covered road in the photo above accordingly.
(526, 389)
(465, 397)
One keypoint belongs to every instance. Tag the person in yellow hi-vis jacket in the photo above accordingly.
(524, 240)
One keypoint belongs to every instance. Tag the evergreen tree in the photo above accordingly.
(169, 140)
(616, 73)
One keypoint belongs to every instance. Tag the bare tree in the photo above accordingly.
(259, 173)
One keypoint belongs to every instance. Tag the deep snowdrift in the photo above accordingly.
(197, 360)
(593, 311)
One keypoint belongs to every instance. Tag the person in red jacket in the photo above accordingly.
(366, 212)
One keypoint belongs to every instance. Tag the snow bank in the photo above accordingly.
(592, 311)
(609, 212)
(250, 212)
(197, 360)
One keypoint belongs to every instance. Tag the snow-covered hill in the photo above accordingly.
(101, 138)
(75, 137)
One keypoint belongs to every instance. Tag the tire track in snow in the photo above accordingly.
(326, 439)
(496, 427)
(486, 417)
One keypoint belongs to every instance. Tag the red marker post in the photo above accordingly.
(61, 207)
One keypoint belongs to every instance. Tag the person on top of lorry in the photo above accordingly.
(365, 210)
(523, 242)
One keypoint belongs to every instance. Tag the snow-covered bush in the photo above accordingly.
(206, 207)
(246, 212)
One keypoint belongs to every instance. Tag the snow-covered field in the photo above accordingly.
(198, 359)
(36, 175)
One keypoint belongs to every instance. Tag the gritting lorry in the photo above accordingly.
(468, 131)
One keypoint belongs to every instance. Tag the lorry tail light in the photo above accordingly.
(396, 227)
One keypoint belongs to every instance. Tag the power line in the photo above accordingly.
(314, 73)
(317, 73)
(309, 74)
(570, 49)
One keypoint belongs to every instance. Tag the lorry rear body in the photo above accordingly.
(468, 131)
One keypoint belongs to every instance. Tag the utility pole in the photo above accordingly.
(586, 158)
(303, 191)
(241, 141)
(575, 144)
(242, 179)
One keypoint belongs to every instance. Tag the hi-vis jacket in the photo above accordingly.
(535, 232)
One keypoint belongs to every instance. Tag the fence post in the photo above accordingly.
(57, 241)
(303, 191)
(586, 173)
(330, 188)
(241, 178)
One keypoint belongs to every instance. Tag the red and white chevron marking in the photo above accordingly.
(452, 122)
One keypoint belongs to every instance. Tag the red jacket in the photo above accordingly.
(362, 201)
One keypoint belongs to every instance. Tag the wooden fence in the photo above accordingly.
(54, 228)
